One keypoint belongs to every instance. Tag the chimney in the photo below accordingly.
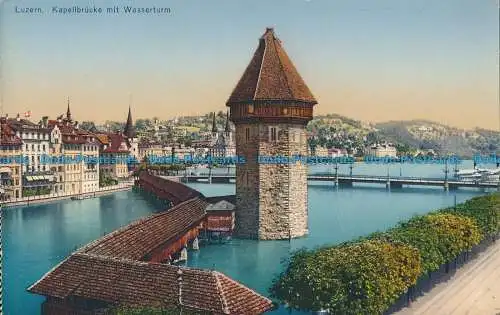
(45, 120)
(18, 117)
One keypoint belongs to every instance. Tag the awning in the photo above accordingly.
(29, 178)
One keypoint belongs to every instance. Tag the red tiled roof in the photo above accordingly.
(132, 283)
(270, 76)
(8, 136)
(138, 239)
(24, 124)
(116, 141)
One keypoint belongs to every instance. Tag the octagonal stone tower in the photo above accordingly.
(270, 107)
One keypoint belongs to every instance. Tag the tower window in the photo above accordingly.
(247, 134)
(273, 134)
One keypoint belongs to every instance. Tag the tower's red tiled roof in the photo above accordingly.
(271, 76)
(139, 284)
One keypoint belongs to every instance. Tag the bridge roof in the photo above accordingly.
(176, 192)
(136, 284)
(139, 238)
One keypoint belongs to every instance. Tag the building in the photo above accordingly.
(114, 155)
(270, 107)
(382, 150)
(79, 153)
(152, 148)
(37, 177)
(11, 162)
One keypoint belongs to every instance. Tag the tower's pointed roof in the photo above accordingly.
(129, 129)
(271, 76)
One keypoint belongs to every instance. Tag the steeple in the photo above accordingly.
(129, 130)
(227, 129)
(68, 112)
(214, 125)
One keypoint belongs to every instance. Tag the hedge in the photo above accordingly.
(368, 275)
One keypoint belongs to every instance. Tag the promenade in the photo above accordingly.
(473, 290)
(32, 200)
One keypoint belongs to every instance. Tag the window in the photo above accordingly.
(247, 134)
(273, 134)
(32, 147)
(27, 148)
(293, 135)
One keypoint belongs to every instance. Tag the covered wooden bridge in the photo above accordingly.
(130, 267)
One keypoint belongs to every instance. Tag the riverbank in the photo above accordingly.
(34, 200)
(474, 289)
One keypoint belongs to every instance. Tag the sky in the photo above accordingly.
(374, 60)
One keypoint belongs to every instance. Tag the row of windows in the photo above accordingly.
(37, 147)
(39, 168)
(27, 135)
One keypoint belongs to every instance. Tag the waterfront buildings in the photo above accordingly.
(270, 107)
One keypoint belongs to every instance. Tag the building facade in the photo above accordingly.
(270, 107)
(37, 177)
(11, 164)
(78, 152)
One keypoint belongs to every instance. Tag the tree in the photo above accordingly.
(88, 125)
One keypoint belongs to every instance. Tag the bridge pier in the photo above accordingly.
(345, 183)
(397, 185)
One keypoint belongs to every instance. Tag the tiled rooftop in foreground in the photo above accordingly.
(135, 283)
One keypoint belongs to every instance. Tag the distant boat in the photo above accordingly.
(479, 174)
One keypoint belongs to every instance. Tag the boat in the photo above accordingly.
(483, 174)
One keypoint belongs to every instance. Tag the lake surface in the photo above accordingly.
(36, 238)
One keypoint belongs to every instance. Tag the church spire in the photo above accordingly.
(68, 112)
(214, 125)
(227, 129)
(129, 129)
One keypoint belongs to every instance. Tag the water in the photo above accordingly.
(36, 238)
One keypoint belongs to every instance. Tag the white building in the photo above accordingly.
(37, 177)
(382, 150)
